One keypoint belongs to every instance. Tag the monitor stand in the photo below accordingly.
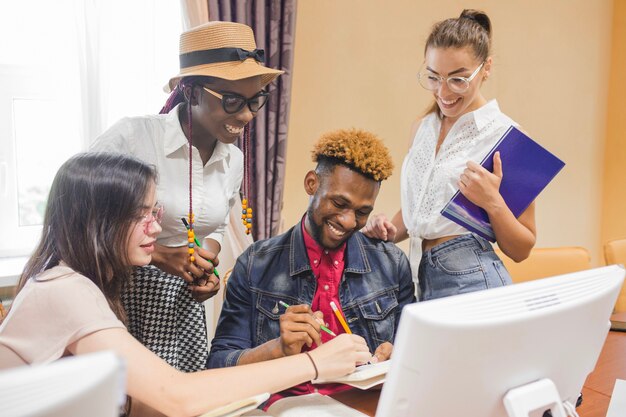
(541, 394)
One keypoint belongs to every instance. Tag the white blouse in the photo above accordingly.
(429, 181)
(159, 140)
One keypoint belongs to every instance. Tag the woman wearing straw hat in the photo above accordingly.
(459, 128)
(218, 91)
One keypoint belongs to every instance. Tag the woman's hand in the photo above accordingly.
(515, 236)
(199, 274)
(340, 356)
(482, 187)
(379, 227)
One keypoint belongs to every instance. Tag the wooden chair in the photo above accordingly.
(546, 262)
(615, 253)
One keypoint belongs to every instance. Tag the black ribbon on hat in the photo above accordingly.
(212, 56)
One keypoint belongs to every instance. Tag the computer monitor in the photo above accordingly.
(87, 385)
(461, 355)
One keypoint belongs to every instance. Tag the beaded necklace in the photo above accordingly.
(190, 219)
(246, 206)
(246, 214)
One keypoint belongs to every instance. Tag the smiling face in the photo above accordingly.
(340, 203)
(457, 62)
(143, 233)
(209, 117)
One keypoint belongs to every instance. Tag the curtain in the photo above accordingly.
(194, 13)
(273, 23)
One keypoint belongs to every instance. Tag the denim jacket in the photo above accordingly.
(375, 285)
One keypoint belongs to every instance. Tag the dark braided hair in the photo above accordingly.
(177, 95)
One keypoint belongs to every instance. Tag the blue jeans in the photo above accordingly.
(460, 265)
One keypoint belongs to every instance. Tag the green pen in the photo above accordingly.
(199, 245)
(326, 329)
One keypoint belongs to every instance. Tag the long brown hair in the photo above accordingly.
(94, 201)
(471, 29)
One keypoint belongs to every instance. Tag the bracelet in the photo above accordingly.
(314, 367)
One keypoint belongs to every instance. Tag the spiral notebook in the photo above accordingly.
(527, 169)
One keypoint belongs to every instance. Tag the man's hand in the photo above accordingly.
(299, 326)
(383, 352)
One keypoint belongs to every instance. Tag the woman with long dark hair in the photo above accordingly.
(101, 219)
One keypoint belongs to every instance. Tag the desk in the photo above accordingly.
(596, 391)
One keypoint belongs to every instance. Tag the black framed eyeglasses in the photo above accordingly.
(233, 103)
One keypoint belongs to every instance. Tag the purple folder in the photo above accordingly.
(527, 169)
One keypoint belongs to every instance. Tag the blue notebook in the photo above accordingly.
(527, 169)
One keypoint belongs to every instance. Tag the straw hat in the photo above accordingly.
(224, 50)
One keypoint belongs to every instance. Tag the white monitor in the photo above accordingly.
(460, 356)
(87, 385)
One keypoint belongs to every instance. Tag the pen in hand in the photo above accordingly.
(199, 245)
(326, 329)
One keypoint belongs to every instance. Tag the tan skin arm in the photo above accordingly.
(154, 383)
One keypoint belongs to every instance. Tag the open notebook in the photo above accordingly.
(311, 405)
(238, 408)
(364, 377)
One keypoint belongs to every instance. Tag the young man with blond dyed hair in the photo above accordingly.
(322, 259)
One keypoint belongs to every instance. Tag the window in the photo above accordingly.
(68, 70)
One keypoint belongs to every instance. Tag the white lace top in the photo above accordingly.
(429, 181)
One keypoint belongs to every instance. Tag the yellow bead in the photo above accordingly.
(190, 240)
(249, 215)
(191, 251)
(249, 225)
(249, 211)
(243, 216)
(191, 234)
(244, 202)
(192, 259)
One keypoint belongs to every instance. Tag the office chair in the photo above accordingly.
(615, 253)
(547, 262)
